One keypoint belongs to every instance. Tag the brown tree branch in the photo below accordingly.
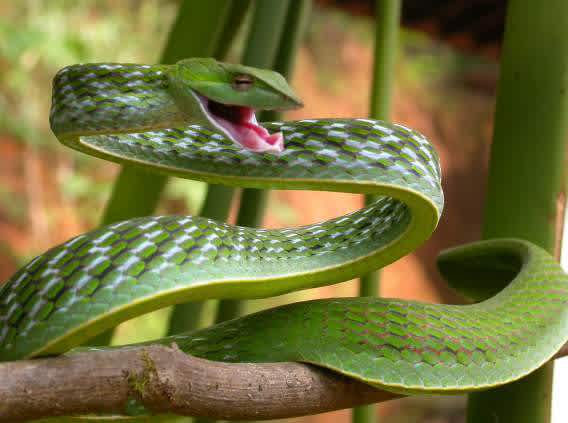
(166, 380)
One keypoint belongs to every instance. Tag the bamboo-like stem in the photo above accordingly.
(261, 51)
(387, 16)
(296, 24)
(364, 414)
(292, 16)
(269, 21)
(525, 173)
(197, 29)
(233, 22)
(217, 204)
(386, 47)
(186, 317)
(196, 32)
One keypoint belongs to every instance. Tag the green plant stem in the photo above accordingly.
(386, 52)
(387, 23)
(188, 316)
(252, 204)
(261, 49)
(525, 172)
(386, 47)
(268, 23)
(195, 32)
(217, 204)
(197, 29)
(296, 24)
(364, 414)
(233, 23)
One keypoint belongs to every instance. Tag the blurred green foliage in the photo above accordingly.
(39, 37)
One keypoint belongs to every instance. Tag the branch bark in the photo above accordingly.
(165, 380)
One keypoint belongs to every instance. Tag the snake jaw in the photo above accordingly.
(240, 125)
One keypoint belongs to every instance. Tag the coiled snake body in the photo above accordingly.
(196, 120)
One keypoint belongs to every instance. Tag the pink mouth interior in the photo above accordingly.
(239, 123)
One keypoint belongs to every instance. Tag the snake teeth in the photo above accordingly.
(240, 125)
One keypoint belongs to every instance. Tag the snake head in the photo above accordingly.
(225, 97)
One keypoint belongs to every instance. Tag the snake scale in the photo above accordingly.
(195, 119)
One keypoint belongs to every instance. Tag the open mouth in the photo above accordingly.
(240, 125)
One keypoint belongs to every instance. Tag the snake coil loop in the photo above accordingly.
(126, 113)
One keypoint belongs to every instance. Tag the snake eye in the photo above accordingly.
(242, 82)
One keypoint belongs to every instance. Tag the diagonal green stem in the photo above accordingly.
(386, 47)
(387, 15)
(197, 29)
(217, 204)
(196, 32)
(265, 40)
(188, 316)
(253, 202)
(525, 173)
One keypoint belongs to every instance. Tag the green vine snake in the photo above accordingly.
(196, 119)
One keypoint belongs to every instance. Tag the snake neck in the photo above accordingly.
(100, 99)
(112, 98)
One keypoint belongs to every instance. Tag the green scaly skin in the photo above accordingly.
(139, 115)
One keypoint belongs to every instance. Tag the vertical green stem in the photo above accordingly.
(261, 49)
(264, 42)
(217, 205)
(527, 161)
(387, 15)
(295, 26)
(188, 316)
(196, 32)
(386, 47)
(279, 53)
(234, 21)
(252, 204)
(364, 414)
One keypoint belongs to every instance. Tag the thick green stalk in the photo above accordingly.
(217, 204)
(253, 202)
(268, 23)
(296, 23)
(233, 23)
(196, 31)
(188, 316)
(387, 18)
(364, 414)
(527, 161)
(261, 49)
(386, 47)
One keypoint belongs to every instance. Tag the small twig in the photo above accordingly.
(166, 380)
